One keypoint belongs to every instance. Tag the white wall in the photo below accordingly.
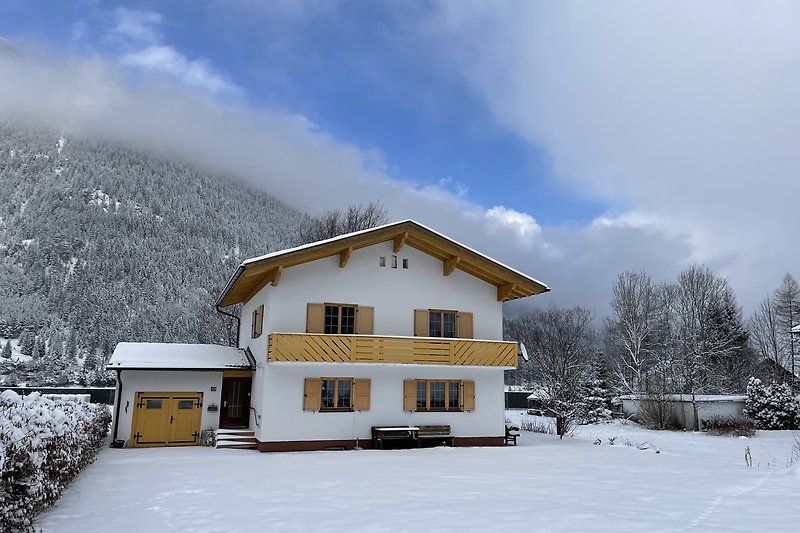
(394, 293)
(134, 381)
(283, 417)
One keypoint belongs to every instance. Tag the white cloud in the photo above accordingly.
(195, 73)
(137, 33)
(522, 224)
(684, 114)
(137, 25)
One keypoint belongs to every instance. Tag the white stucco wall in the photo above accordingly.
(682, 411)
(134, 381)
(283, 418)
(393, 292)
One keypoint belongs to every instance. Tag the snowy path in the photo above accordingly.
(695, 483)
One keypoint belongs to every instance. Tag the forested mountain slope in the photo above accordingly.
(100, 243)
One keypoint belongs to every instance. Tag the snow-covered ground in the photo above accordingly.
(675, 482)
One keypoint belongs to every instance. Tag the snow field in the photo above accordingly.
(695, 482)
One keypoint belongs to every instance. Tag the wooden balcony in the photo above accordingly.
(317, 348)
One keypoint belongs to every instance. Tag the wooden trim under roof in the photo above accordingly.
(254, 274)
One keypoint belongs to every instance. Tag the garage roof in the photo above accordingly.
(169, 356)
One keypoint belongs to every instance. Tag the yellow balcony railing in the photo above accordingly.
(317, 348)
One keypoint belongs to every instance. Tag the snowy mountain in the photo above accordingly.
(100, 243)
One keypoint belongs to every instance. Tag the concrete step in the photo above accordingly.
(244, 439)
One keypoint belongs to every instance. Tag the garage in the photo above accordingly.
(167, 419)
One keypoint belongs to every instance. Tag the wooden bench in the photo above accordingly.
(435, 435)
(382, 434)
(512, 432)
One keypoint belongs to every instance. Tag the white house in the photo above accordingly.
(392, 326)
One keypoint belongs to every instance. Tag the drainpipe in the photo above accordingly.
(230, 283)
(238, 323)
(114, 442)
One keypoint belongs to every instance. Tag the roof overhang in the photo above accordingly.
(255, 274)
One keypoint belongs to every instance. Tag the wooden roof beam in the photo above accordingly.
(275, 276)
(504, 291)
(450, 264)
(399, 241)
(344, 256)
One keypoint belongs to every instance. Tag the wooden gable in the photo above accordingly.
(253, 275)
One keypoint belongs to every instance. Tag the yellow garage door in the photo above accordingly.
(167, 418)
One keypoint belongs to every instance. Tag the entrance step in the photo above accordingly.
(244, 439)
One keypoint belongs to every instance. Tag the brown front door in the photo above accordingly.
(235, 411)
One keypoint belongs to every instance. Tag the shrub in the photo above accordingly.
(44, 444)
(537, 426)
(738, 426)
(771, 406)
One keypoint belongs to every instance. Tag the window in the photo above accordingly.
(394, 261)
(405, 263)
(336, 394)
(257, 325)
(437, 395)
(442, 324)
(382, 261)
(340, 319)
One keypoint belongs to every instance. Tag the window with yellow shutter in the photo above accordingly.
(336, 394)
(438, 394)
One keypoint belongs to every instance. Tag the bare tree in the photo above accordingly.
(631, 329)
(336, 222)
(707, 325)
(563, 343)
(765, 334)
(787, 312)
(640, 343)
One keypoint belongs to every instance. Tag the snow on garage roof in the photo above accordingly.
(166, 356)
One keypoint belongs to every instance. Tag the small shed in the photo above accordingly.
(681, 409)
(516, 397)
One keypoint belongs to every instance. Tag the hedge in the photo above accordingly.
(44, 445)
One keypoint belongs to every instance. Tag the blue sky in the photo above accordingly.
(357, 70)
(569, 140)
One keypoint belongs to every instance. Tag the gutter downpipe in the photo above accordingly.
(228, 286)
(238, 323)
(114, 442)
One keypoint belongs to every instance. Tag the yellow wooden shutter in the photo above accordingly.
(315, 318)
(469, 396)
(464, 325)
(364, 320)
(421, 323)
(312, 390)
(362, 393)
(409, 395)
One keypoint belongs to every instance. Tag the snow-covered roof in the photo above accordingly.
(698, 397)
(261, 270)
(540, 394)
(165, 356)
